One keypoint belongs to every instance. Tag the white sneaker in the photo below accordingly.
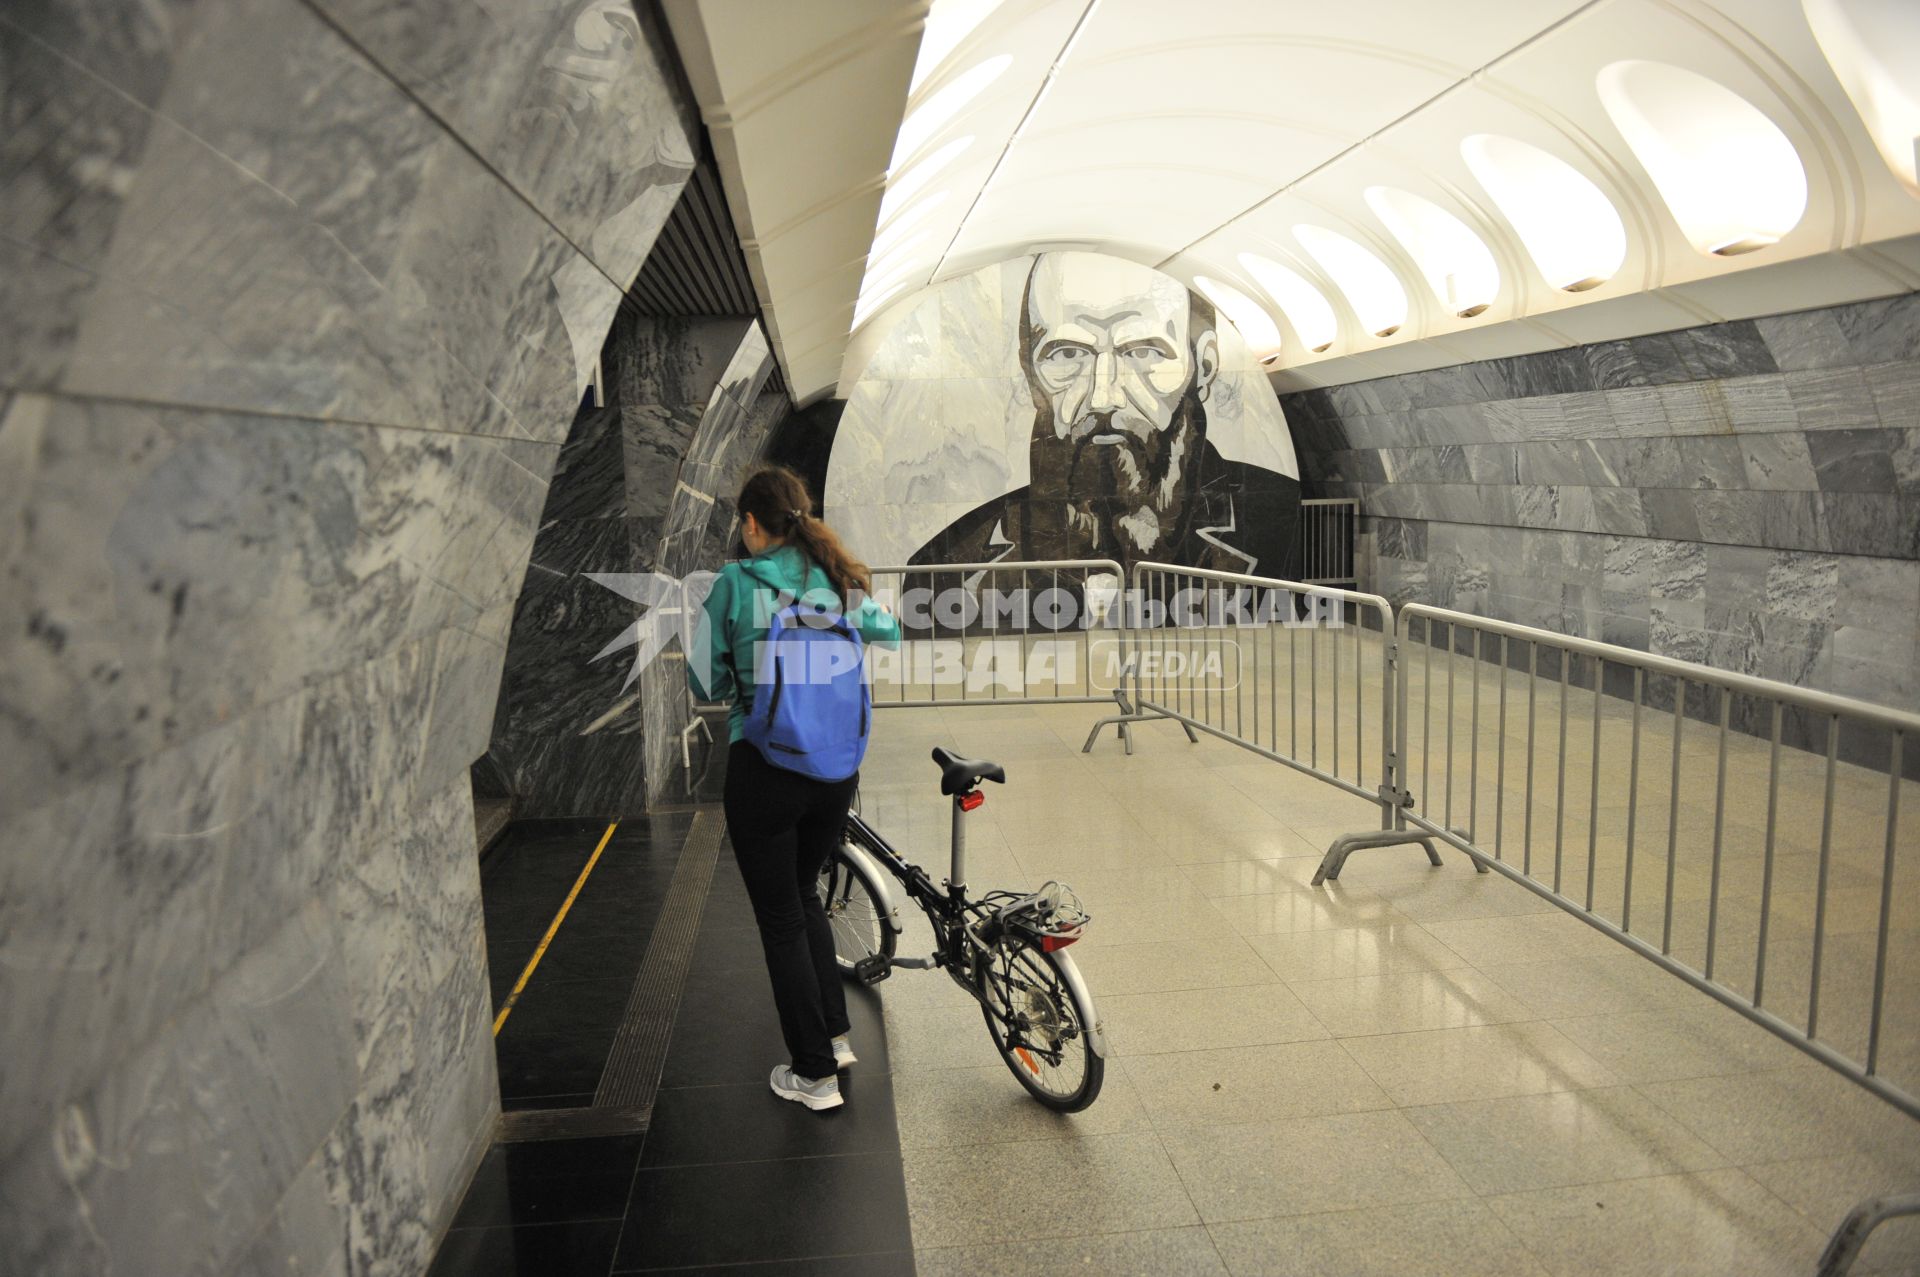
(843, 1052)
(816, 1093)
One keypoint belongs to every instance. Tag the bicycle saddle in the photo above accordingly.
(957, 774)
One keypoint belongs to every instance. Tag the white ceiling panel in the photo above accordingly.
(1185, 136)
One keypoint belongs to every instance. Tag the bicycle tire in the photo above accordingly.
(853, 913)
(1037, 983)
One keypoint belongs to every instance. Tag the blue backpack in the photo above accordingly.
(811, 703)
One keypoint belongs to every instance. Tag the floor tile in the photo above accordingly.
(1309, 1164)
(569, 1181)
(1345, 952)
(1478, 1062)
(1717, 1222)
(1426, 1239)
(1569, 1137)
(1758, 1117)
(546, 1250)
(1660, 1046)
(1307, 909)
(701, 1125)
(1196, 1020)
(1251, 1084)
(1409, 1000)
(1521, 938)
(1201, 963)
(1025, 1192)
(1618, 981)
(1165, 1252)
(672, 1217)
(986, 1105)
(1824, 1189)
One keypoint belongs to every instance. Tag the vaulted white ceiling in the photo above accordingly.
(1450, 180)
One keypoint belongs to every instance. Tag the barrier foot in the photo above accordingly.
(1851, 1237)
(1125, 722)
(1346, 844)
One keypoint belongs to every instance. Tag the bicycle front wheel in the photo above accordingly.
(1041, 1024)
(853, 911)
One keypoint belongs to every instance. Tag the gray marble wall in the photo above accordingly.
(1745, 495)
(644, 484)
(296, 301)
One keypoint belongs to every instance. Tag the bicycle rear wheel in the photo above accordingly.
(853, 911)
(1045, 1037)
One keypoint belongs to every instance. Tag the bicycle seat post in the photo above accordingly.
(957, 880)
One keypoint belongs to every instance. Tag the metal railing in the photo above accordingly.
(1642, 794)
(1329, 528)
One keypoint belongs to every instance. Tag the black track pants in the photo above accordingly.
(783, 826)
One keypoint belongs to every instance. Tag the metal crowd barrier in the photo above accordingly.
(1473, 733)
(1011, 632)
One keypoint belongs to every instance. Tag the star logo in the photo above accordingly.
(671, 608)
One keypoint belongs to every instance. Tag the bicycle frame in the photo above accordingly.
(956, 946)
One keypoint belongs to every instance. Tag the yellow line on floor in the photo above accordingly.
(506, 1008)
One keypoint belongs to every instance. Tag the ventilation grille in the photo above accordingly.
(696, 267)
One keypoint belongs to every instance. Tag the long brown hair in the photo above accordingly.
(777, 498)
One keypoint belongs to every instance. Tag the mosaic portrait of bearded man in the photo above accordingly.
(1121, 360)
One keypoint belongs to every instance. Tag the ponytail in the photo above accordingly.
(777, 498)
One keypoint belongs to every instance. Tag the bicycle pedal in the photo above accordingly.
(873, 969)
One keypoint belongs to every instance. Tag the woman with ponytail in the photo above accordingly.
(784, 825)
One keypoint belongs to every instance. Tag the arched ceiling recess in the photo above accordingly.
(1196, 138)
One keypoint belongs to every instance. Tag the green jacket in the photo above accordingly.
(735, 625)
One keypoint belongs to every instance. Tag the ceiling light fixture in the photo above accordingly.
(1568, 227)
(1254, 324)
(1305, 307)
(1371, 288)
(1726, 172)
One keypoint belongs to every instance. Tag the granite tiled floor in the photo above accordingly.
(1409, 1070)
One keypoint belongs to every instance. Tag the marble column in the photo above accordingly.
(296, 301)
(643, 485)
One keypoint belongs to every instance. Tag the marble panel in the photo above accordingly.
(1896, 392)
(72, 81)
(1803, 586)
(1778, 462)
(1548, 372)
(1658, 359)
(1757, 405)
(1721, 351)
(1882, 330)
(1696, 408)
(241, 557)
(258, 264)
(677, 362)
(1400, 538)
(1611, 365)
(1832, 399)
(575, 104)
(979, 322)
(1878, 594)
(1854, 460)
(655, 439)
(911, 350)
(1555, 462)
(1806, 339)
(1619, 511)
(1904, 453)
(1882, 525)
(588, 472)
(1637, 412)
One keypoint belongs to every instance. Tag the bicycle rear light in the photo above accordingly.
(1051, 941)
(969, 801)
